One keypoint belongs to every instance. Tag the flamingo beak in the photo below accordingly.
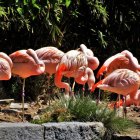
(101, 71)
(96, 85)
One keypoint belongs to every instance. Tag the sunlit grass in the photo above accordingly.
(84, 109)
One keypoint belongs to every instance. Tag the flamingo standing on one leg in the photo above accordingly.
(74, 64)
(5, 66)
(26, 64)
(51, 56)
(120, 81)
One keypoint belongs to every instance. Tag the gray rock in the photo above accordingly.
(74, 131)
(21, 131)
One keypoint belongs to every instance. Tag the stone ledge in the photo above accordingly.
(21, 131)
(57, 131)
(74, 131)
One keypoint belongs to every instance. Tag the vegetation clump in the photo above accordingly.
(84, 109)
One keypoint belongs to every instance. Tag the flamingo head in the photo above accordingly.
(41, 66)
(96, 85)
(93, 62)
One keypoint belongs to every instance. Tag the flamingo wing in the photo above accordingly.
(49, 54)
(115, 58)
(21, 57)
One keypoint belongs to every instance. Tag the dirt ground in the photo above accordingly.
(8, 114)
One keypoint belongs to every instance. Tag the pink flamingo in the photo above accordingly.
(26, 64)
(125, 59)
(5, 66)
(121, 81)
(122, 60)
(51, 56)
(74, 64)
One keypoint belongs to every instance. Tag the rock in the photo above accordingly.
(19, 106)
(21, 131)
(6, 101)
(74, 131)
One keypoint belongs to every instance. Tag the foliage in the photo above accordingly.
(84, 109)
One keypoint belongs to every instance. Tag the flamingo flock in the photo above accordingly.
(120, 71)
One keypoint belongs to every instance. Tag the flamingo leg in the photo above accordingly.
(23, 95)
(72, 90)
(49, 90)
(83, 91)
(99, 95)
(119, 96)
(124, 107)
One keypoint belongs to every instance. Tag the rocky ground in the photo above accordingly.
(12, 112)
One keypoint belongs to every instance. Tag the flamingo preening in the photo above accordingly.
(121, 81)
(50, 56)
(26, 64)
(74, 64)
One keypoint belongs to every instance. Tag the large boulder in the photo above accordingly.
(74, 131)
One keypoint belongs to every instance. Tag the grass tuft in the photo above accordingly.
(84, 109)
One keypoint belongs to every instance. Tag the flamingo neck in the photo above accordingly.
(33, 54)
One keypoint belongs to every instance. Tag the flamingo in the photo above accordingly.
(26, 64)
(93, 64)
(51, 56)
(121, 81)
(74, 64)
(125, 59)
(5, 66)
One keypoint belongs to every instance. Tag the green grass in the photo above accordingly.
(84, 109)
